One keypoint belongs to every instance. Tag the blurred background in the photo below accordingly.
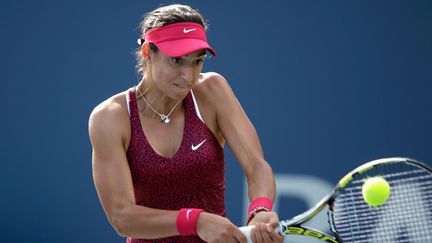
(329, 85)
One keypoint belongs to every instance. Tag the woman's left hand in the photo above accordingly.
(265, 225)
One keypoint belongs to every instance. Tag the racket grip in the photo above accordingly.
(246, 230)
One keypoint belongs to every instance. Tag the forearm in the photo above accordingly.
(145, 223)
(261, 181)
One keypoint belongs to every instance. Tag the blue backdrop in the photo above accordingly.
(328, 85)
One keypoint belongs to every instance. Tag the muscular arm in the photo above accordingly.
(242, 138)
(243, 141)
(113, 180)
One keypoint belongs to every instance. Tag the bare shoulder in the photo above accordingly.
(211, 81)
(110, 118)
(213, 86)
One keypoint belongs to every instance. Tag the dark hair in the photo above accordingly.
(165, 15)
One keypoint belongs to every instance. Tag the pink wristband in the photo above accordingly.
(186, 221)
(261, 201)
(258, 205)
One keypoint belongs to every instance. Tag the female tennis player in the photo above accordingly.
(158, 157)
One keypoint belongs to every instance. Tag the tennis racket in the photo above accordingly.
(406, 216)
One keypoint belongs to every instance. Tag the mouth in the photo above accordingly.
(181, 86)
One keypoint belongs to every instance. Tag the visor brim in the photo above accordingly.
(177, 48)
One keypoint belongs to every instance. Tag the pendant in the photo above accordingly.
(165, 119)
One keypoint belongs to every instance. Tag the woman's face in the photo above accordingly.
(175, 76)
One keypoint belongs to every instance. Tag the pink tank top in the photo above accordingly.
(192, 178)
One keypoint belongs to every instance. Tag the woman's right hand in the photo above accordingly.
(213, 228)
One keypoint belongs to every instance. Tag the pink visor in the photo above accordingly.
(179, 39)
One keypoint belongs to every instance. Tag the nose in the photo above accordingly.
(187, 74)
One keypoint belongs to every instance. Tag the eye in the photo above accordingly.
(199, 61)
(176, 60)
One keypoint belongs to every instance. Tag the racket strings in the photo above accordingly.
(357, 204)
(365, 214)
(405, 217)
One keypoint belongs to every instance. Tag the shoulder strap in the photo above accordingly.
(198, 113)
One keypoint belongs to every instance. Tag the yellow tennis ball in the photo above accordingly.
(376, 191)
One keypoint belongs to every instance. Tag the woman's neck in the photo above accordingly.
(154, 97)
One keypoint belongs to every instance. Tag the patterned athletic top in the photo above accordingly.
(192, 178)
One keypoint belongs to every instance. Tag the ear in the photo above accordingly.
(145, 50)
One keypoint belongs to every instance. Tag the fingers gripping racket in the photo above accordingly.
(406, 215)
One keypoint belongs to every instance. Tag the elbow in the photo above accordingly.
(259, 172)
(119, 223)
(119, 230)
(266, 166)
(118, 227)
(260, 167)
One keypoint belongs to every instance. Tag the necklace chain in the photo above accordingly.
(163, 118)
